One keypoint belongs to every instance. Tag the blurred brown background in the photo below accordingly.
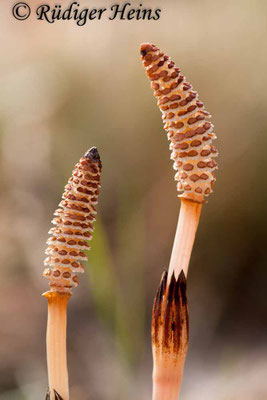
(65, 88)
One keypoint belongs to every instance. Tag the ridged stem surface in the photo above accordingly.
(185, 236)
(166, 386)
(56, 344)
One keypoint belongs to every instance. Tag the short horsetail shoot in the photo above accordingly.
(73, 228)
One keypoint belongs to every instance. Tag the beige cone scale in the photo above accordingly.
(73, 224)
(187, 123)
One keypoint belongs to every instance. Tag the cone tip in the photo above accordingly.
(92, 154)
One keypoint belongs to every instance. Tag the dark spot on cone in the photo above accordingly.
(92, 154)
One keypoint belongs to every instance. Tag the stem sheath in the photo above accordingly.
(56, 343)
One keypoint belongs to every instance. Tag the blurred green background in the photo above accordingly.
(66, 88)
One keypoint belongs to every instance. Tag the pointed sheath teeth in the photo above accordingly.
(170, 329)
(57, 396)
(187, 123)
(47, 395)
(169, 337)
(73, 224)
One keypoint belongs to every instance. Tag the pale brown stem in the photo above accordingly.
(185, 236)
(56, 343)
(167, 379)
